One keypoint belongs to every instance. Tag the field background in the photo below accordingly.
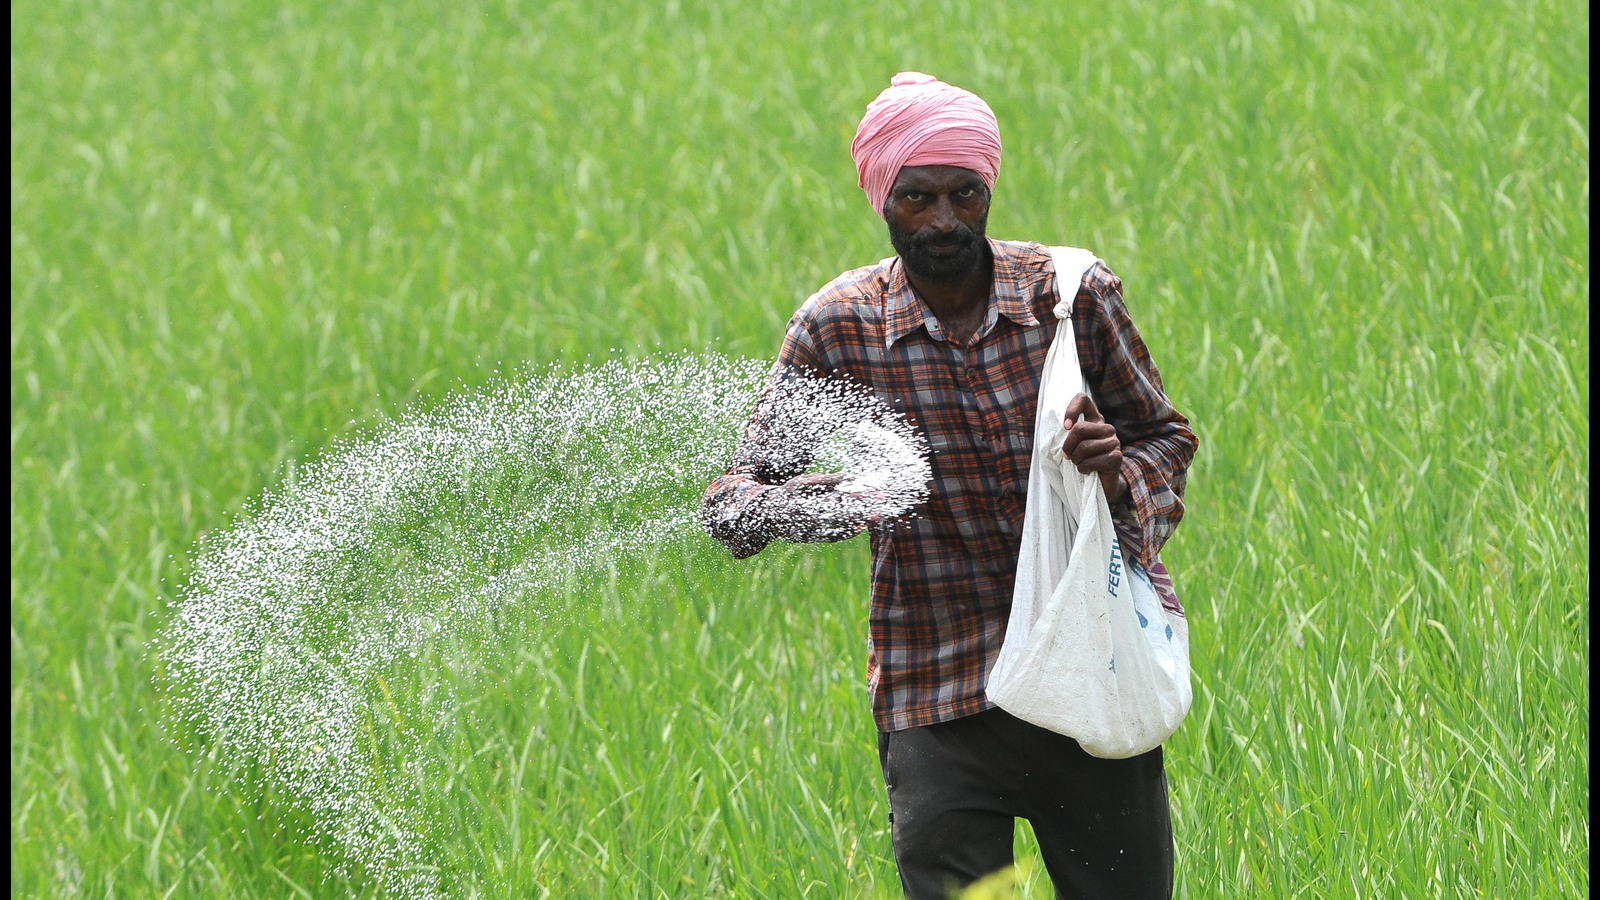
(1356, 237)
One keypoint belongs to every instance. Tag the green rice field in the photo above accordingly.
(1355, 236)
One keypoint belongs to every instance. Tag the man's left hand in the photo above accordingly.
(1093, 446)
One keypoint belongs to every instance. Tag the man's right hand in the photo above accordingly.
(810, 509)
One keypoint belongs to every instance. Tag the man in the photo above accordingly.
(954, 331)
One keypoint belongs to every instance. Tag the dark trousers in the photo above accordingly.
(956, 789)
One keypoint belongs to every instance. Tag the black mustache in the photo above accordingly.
(955, 238)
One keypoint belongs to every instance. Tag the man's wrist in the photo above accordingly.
(1117, 494)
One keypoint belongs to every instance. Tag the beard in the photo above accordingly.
(941, 257)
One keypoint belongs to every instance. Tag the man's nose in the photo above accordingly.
(942, 215)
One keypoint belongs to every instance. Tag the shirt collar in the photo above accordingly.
(1009, 296)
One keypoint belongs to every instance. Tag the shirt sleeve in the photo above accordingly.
(1157, 442)
(731, 510)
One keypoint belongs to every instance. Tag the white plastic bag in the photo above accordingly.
(1090, 652)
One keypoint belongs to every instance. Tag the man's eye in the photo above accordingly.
(967, 193)
(916, 196)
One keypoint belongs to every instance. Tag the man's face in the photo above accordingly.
(937, 216)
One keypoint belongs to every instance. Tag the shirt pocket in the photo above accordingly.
(1017, 426)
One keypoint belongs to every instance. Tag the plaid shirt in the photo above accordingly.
(942, 580)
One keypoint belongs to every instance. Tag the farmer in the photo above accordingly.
(953, 332)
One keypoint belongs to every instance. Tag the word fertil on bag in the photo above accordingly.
(1114, 570)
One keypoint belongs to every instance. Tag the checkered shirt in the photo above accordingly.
(942, 579)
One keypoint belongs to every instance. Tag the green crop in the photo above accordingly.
(1355, 237)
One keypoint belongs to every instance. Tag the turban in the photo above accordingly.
(921, 121)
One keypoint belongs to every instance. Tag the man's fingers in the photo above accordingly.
(1074, 410)
(1088, 433)
(1091, 431)
(1095, 460)
(815, 481)
(1093, 447)
(803, 511)
(1082, 405)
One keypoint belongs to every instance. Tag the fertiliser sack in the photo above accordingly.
(1090, 651)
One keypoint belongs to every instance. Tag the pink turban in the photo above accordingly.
(921, 121)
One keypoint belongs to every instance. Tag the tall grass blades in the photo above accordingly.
(248, 237)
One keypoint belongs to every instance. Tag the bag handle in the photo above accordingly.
(1072, 263)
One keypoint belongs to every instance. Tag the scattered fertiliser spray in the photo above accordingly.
(296, 618)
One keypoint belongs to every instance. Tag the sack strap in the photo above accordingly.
(1064, 377)
(1071, 263)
